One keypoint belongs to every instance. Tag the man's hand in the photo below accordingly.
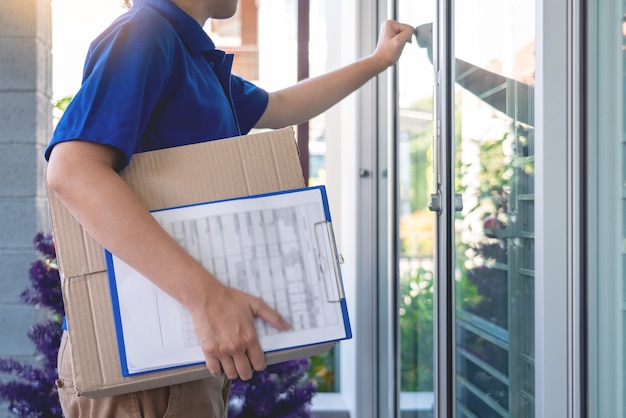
(391, 41)
(225, 329)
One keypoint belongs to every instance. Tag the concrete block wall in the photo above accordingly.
(25, 128)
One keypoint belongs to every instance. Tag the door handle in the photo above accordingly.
(458, 202)
(435, 202)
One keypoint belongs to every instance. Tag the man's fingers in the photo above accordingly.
(233, 348)
(402, 30)
(228, 365)
(256, 356)
(214, 366)
(266, 313)
(244, 369)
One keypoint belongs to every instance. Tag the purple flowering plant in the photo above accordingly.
(280, 391)
(30, 389)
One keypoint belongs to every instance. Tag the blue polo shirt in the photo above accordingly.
(155, 80)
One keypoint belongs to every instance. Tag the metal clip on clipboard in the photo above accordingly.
(328, 260)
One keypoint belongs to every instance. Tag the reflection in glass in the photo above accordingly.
(416, 223)
(494, 75)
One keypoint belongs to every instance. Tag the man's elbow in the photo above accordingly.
(56, 177)
(74, 163)
(278, 114)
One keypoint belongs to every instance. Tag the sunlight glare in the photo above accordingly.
(75, 23)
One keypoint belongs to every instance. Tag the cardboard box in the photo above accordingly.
(246, 165)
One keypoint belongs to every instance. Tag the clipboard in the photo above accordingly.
(279, 246)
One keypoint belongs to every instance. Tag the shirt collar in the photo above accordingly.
(190, 31)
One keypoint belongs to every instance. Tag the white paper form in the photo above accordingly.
(269, 246)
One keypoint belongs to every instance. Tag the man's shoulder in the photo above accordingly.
(140, 32)
(141, 25)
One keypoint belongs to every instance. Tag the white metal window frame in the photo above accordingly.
(604, 201)
(366, 373)
(558, 221)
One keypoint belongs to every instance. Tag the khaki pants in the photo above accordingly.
(202, 398)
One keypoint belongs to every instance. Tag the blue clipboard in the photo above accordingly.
(281, 247)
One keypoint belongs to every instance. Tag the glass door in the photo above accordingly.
(415, 229)
(492, 277)
(466, 297)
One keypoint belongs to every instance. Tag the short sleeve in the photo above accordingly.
(250, 102)
(125, 75)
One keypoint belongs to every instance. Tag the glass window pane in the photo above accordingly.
(278, 69)
(416, 223)
(494, 136)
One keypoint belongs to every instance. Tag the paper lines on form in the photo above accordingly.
(269, 253)
(268, 245)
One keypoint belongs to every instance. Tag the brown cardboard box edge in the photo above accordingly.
(251, 164)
